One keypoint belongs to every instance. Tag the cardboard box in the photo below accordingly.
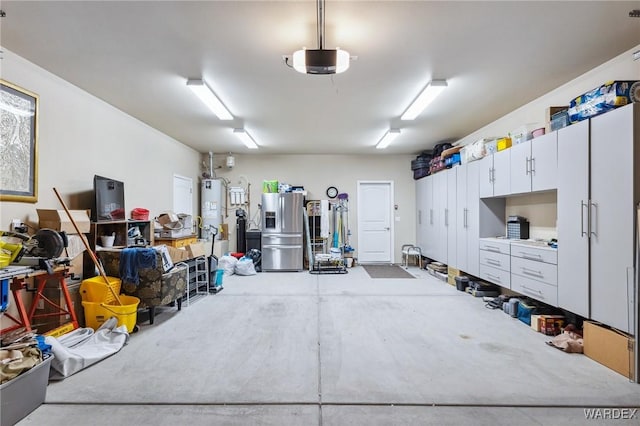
(167, 263)
(58, 220)
(196, 250)
(609, 347)
(452, 273)
(550, 325)
(177, 254)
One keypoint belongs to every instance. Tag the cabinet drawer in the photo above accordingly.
(535, 289)
(495, 246)
(535, 253)
(496, 260)
(495, 275)
(531, 269)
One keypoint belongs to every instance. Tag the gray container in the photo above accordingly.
(23, 394)
(462, 283)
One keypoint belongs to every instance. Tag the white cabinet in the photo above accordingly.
(422, 214)
(495, 265)
(434, 215)
(614, 184)
(440, 216)
(494, 174)
(467, 219)
(573, 196)
(450, 218)
(534, 272)
(534, 164)
(598, 191)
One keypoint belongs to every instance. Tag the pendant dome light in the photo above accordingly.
(321, 60)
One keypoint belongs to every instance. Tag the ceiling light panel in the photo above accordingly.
(206, 95)
(428, 95)
(388, 137)
(246, 138)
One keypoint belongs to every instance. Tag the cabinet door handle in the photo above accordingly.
(446, 217)
(532, 166)
(493, 174)
(582, 206)
(532, 272)
(465, 217)
(419, 217)
(527, 165)
(594, 218)
(430, 216)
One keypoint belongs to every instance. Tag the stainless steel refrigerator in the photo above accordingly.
(282, 231)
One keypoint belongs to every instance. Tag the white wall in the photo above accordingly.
(316, 173)
(622, 67)
(80, 135)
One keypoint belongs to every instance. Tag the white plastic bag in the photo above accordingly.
(227, 264)
(245, 267)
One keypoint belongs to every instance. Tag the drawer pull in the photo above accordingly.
(494, 262)
(533, 273)
(493, 249)
(532, 291)
(493, 277)
(530, 256)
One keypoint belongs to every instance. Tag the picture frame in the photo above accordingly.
(18, 143)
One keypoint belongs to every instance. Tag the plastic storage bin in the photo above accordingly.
(24, 393)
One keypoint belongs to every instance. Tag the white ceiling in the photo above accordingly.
(496, 57)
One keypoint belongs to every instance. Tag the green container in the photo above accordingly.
(270, 186)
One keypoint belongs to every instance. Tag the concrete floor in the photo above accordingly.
(302, 349)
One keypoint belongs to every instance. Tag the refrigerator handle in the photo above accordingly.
(280, 216)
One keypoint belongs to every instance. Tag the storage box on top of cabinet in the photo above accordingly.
(605, 98)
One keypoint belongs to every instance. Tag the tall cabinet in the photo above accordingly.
(467, 218)
(598, 193)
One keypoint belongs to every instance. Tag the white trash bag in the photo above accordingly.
(227, 264)
(245, 266)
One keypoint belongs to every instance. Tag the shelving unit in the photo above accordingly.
(197, 278)
(119, 228)
(318, 243)
(333, 266)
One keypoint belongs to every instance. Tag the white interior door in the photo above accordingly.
(182, 195)
(375, 227)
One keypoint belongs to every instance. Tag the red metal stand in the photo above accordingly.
(40, 280)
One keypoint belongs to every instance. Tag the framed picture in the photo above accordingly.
(18, 144)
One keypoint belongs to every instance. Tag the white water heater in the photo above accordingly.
(211, 206)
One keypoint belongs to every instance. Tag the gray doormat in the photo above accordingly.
(386, 271)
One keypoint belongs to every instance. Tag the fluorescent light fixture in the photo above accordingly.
(209, 98)
(388, 137)
(433, 89)
(246, 138)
